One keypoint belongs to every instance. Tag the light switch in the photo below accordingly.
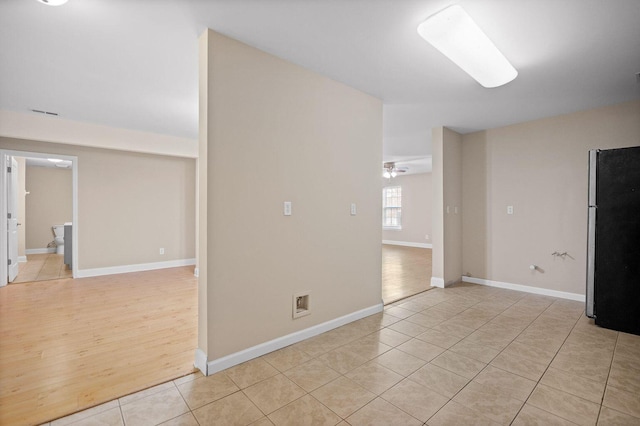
(509, 209)
(287, 208)
(353, 209)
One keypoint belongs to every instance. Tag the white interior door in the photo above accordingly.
(12, 218)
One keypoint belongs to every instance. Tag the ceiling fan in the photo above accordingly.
(391, 171)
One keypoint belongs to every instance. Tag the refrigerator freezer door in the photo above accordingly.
(617, 239)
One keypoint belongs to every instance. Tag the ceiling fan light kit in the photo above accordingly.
(391, 171)
(458, 37)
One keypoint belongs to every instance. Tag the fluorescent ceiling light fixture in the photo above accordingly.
(456, 36)
(53, 2)
(54, 160)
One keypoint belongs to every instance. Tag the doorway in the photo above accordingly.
(406, 235)
(34, 258)
(406, 271)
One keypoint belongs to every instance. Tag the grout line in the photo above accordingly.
(548, 365)
(606, 383)
(121, 413)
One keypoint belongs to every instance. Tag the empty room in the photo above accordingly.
(276, 212)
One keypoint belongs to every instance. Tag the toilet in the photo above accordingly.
(58, 231)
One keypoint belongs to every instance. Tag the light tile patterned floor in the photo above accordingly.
(41, 267)
(463, 355)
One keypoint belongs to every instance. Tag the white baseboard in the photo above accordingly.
(437, 282)
(201, 361)
(110, 270)
(22, 259)
(225, 362)
(407, 244)
(526, 288)
(40, 250)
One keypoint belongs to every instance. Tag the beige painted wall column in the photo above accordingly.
(271, 132)
(437, 188)
(202, 202)
(447, 207)
(452, 143)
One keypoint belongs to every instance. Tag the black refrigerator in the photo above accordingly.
(613, 254)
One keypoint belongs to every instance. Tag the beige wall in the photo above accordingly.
(453, 206)
(447, 207)
(276, 132)
(129, 204)
(540, 168)
(41, 127)
(437, 188)
(416, 209)
(50, 202)
(202, 200)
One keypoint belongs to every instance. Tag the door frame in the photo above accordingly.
(12, 230)
(3, 208)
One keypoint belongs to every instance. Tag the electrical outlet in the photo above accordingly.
(426, 237)
(161, 250)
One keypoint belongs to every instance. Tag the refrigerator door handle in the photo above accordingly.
(591, 263)
(591, 239)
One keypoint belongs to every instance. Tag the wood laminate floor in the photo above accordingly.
(405, 271)
(70, 344)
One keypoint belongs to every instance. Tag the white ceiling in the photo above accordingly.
(133, 63)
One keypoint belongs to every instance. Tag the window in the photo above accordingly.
(392, 207)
